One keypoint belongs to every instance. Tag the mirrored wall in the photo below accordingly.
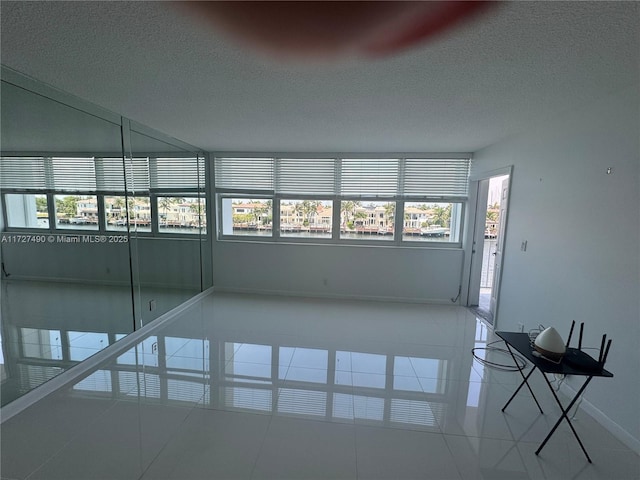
(103, 228)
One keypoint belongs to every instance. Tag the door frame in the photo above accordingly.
(476, 219)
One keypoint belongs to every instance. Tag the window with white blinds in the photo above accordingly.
(22, 173)
(91, 174)
(369, 177)
(71, 174)
(244, 174)
(309, 176)
(440, 177)
(110, 174)
(348, 177)
(177, 173)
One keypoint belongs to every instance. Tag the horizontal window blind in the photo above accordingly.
(177, 173)
(22, 173)
(369, 177)
(110, 174)
(89, 174)
(311, 176)
(350, 177)
(244, 173)
(137, 174)
(436, 177)
(73, 174)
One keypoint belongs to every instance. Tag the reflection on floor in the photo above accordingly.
(483, 309)
(49, 327)
(245, 386)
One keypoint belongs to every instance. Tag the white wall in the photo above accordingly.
(411, 274)
(583, 233)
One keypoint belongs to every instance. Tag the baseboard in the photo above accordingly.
(84, 281)
(86, 366)
(597, 414)
(334, 296)
(97, 282)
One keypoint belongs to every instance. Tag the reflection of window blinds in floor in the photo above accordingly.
(185, 391)
(150, 387)
(342, 405)
(98, 381)
(303, 402)
(128, 383)
(250, 398)
(33, 375)
(415, 412)
(369, 408)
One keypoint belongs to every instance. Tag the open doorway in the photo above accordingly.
(488, 245)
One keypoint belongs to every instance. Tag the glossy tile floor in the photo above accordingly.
(286, 388)
(48, 327)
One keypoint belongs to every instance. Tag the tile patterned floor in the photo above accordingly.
(258, 387)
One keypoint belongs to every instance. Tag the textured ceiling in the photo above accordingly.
(514, 67)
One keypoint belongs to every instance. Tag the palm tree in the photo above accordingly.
(260, 210)
(361, 216)
(441, 216)
(389, 212)
(407, 220)
(348, 208)
(309, 209)
(199, 210)
(165, 203)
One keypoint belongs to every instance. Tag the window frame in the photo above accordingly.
(152, 193)
(336, 198)
(295, 197)
(248, 194)
(335, 239)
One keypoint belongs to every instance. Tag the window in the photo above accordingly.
(76, 211)
(306, 218)
(181, 214)
(41, 343)
(139, 210)
(431, 222)
(26, 210)
(89, 193)
(84, 344)
(408, 201)
(245, 216)
(367, 220)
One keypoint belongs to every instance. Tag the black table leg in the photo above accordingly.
(565, 417)
(524, 381)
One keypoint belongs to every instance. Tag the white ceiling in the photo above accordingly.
(514, 67)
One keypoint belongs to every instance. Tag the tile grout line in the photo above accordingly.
(266, 432)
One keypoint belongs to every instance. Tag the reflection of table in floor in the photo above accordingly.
(522, 344)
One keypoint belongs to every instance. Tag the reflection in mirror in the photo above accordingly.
(83, 225)
(66, 288)
(49, 327)
(166, 216)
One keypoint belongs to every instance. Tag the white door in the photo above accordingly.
(497, 255)
(477, 246)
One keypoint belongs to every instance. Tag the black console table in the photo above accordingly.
(522, 344)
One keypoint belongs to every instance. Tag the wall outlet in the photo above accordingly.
(521, 327)
(152, 305)
(523, 246)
